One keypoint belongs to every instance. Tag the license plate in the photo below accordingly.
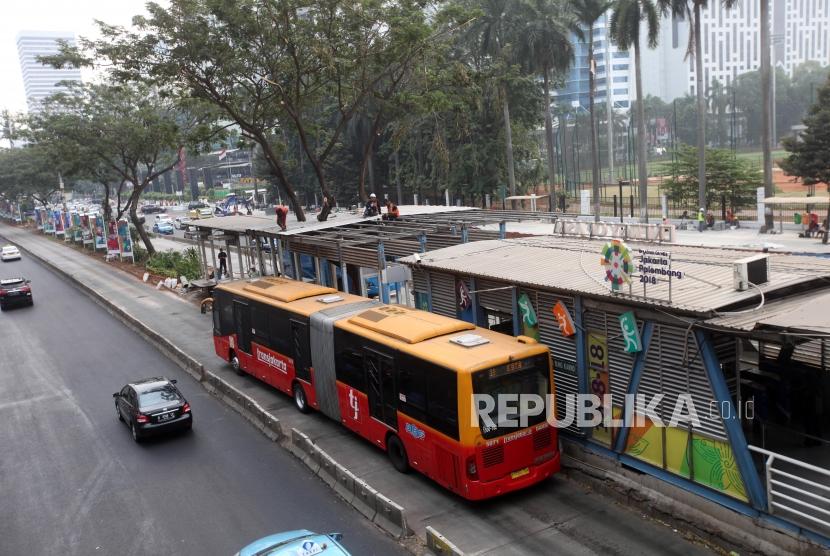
(520, 473)
(165, 416)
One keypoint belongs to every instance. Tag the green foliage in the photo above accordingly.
(173, 264)
(727, 176)
(29, 171)
(809, 157)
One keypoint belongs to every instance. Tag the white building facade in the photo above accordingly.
(41, 81)
(731, 39)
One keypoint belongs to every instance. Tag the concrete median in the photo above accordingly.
(391, 517)
(365, 499)
(327, 468)
(344, 483)
(438, 545)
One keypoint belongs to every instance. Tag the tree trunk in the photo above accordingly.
(827, 222)
(142, 233)
(271, 159)
(594, 139)
(508, 140)
(642, 167)
(769, 189)
(105, 206)
(549, 140)
(701, 112)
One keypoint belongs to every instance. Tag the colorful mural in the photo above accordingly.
(712, 461)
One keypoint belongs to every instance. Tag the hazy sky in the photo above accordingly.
(51, 15)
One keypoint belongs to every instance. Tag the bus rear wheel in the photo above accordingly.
(397, 454)
(300, 400)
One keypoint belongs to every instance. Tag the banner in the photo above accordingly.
(58, 223)
(86, 232)
(530, 324)
(77, 233)
(112, 239)
(67, 226)
(39, 218)
(48, 222)
(124, 239)
(97, 222)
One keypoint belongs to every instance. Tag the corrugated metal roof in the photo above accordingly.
(573, 265)
(807, 312)
(234, 223)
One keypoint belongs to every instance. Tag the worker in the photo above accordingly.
(372, 207)
(282, 216)
(392, 212)
(701, 220)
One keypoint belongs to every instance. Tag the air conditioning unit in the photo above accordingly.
(751, 270)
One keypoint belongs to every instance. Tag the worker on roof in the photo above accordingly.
(372, 206)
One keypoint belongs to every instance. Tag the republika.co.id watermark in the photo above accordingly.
(590, 410)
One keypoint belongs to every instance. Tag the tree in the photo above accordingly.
(625, 30)
(276, 67)
(587, 13)
(125, 131)
(727, 177)
(29, 171)
(691, 9)
(810, 152)
(546, 49)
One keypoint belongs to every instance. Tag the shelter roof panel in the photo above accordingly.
(235, 223)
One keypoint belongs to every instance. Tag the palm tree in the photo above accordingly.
(491, 34)
(692, 9)
(625, 30)
(545, 48)
(587, 13)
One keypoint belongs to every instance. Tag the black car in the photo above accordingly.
(193, 205)
(149, 209)
(15, 291)
(153, 406)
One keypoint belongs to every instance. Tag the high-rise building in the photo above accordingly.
(731, 39)
(41, 81)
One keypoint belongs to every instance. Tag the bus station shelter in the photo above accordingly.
(740, 336)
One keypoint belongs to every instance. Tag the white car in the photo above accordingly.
(10, 253)
(181, 223)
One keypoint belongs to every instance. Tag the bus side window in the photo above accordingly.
(442, 400)
(412, 388)
(279, 335)
(349, 360)
(259, 322)
(223, 305)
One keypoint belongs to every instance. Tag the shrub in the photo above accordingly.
(173, 264)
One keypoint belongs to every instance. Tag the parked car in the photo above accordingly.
(149, 209)
(152, 406)
(10, 253)
(163, 227)
(296, 543)
(195, 205)
(181, 222)
(15, 291)
(196, 214)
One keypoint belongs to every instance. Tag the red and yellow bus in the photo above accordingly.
(403, 379)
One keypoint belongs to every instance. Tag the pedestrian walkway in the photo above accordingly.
(558, 516)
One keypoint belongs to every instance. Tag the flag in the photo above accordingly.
(223, 153)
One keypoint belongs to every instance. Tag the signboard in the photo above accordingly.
(113, 247)
(124, 240)
(563, 319)
(584, 202)
(598, 380)
(630, 333)
(463, 295)
(58, 223)
(48, 222)
(616, 260)
(97, 223)
(530, 324)
(39, 218)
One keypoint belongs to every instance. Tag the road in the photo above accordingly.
(74, 482)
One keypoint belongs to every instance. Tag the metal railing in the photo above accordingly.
(798, 496)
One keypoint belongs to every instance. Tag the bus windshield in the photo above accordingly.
(529, 377)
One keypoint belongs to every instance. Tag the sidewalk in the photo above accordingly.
(559, 516)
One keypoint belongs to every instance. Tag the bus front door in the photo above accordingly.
(242, 325)
(380, 388)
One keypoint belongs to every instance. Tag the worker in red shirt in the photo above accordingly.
(282, 216)
(392, 212)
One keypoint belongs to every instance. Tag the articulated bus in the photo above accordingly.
(402, 378)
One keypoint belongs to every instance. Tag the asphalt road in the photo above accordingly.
(72, 481)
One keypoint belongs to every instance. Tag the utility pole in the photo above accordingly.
(766, 87)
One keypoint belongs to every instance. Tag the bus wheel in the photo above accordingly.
(237, 366)
(397, 454)
(299, 398)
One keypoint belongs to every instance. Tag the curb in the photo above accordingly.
(385, 513)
